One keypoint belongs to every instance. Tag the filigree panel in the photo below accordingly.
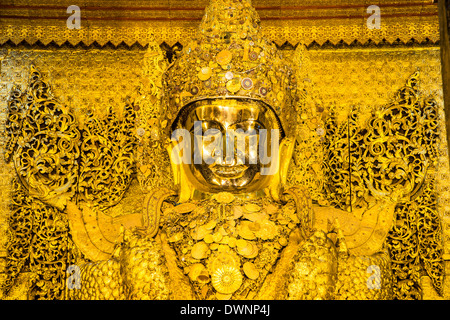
(392, 150)
(415, 244)
(106, 157)
(42, 142)
(59, 156)
(151, 156)
(39, 244)
(392, 153)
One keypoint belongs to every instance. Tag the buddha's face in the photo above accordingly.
(233, 145)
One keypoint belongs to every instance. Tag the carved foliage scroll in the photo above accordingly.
(59, 156)
(106, 161)
(43, 142)
(392, 153)
(39, 245)
(415, 244)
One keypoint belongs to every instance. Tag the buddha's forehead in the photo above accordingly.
(229, 111)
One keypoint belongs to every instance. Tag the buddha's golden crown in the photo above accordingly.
(230, 59)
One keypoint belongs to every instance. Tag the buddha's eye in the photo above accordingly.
(205, 126)
(248, 126)
(212, 132)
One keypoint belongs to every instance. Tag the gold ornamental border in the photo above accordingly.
(141, 22)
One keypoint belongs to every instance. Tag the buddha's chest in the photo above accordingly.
(227, 250)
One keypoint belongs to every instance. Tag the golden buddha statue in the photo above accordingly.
(231, 228)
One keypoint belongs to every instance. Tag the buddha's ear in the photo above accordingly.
(279, 179)
(285, 155)
(180, 180)
(176, 168)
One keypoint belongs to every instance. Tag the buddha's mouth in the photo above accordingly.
(229, 172)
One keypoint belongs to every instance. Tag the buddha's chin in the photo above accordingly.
(240, 185)
(234, 179)
(229, 174)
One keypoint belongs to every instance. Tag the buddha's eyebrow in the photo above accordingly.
(251, 121)
(209, 121)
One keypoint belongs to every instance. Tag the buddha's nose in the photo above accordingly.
(228, 157)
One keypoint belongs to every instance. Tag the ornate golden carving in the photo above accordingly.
(229, 246)
(372, 274)
(247, 233)
(152, 161)
(391, 153)
(40, 245)
(415, 245)
(43, 142)
(56, 156)
(106, 157)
